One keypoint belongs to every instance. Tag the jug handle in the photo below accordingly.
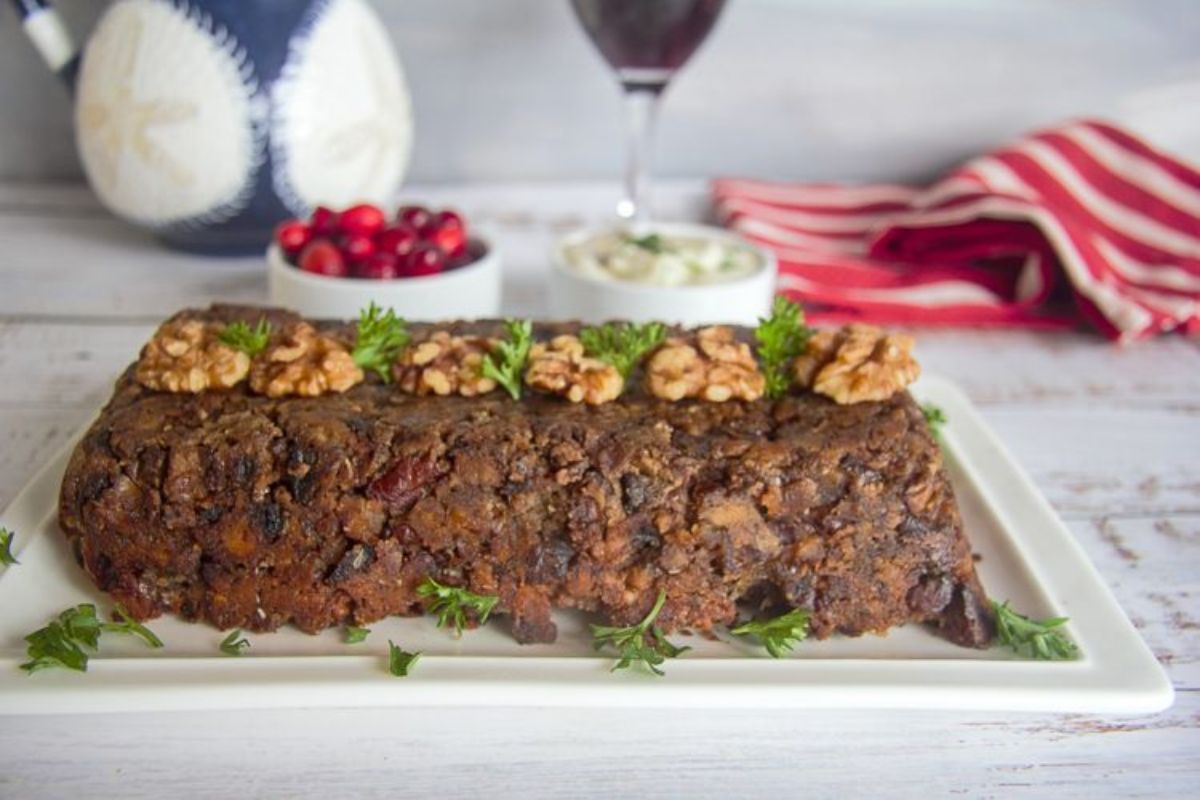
(44, 27)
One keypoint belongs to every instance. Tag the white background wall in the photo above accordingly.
(823, 89)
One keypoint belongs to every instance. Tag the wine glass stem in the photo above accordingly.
(641, 107)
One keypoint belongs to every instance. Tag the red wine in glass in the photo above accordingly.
(646, 42)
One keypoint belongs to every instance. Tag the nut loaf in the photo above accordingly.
(254, 512)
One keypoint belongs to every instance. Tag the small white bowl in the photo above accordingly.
(468, 292)
(590, 299)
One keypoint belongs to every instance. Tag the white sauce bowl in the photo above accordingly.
(468, 292)
(743, 300)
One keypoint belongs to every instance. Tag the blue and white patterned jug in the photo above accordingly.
(208, 121)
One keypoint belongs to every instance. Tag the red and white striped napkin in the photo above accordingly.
(1082, 220)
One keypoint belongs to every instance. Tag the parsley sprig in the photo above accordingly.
(381, 337)
(251, 341)
(506, 363)
(643, 643)
(400, 661)
(65, 643)
(651, 242)
(779, 634)
(623, 346)
(234, 644)
(355, 634)
(935, 418)
(6, 540)
(123, 623)
(1030, 638)
(781, 337)
(454, 605)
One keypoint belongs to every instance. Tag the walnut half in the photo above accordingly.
(188, 356)
(301, 361)
(561, 368)
(713, 366)
(444, 364)
(857, 363)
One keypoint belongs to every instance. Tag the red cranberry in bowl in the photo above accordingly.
(446, 230)
(425, 259)
(380, 266)
(356, 247)
(291, 235)
(399, 240)
(416, 216)
(363, 219)
(324, 221)
(321, 257)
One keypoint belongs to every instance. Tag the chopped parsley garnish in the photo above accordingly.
(400, 661)
(643, 643)
(234, 643)
(780, 634)
(6, 540)
(781, 337)
(651, 243)
(506, 363)
(66, 642)
(250, 341)
(355, 634)
(1030, 638)
(935, 418)
(622, 345)
(454, 605)
(53, 646)
(381, 337)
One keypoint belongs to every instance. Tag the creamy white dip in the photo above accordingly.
(661, 259)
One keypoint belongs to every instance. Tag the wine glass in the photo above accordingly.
(646, 42)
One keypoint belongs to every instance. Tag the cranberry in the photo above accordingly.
(324, 221)
(356, 247)
(380, 267)
(292, 235)
(403, 483)
(425, 259)
(399, 240)
(416, 216)
(321, 257)
(363, 219)
(448, 219)
(452, 240)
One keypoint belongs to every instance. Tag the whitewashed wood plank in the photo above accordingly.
(1102, 461)
(1029, 367)
(65, 366)
(536, 753)
(28, 439)
(103, 268)
(1152, 565)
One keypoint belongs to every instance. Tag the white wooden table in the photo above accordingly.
(1111, 436)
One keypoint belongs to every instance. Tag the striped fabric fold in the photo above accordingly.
(1084, 221)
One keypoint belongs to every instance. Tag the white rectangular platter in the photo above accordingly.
(1026, 556)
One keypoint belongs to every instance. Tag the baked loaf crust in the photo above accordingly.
(248, 511)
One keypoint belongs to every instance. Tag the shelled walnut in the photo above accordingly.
(857, 363)
(713, 366)
(302, 361)
(560, 367)
(187, 355)
(443, 365)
